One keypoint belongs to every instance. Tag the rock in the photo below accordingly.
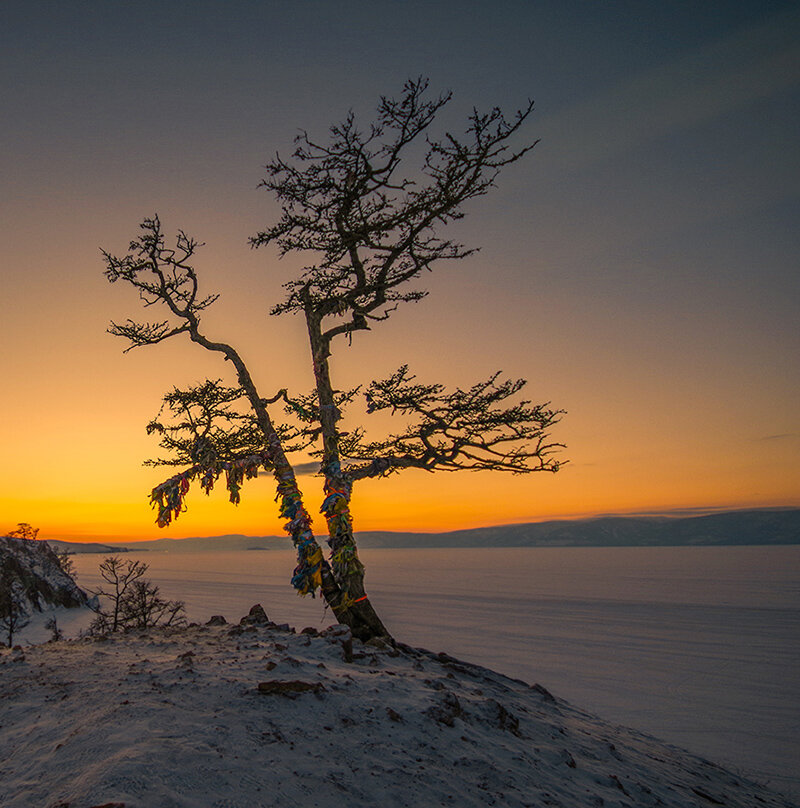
(377, 642)
(544, 693)
(446, 710)
(337, 630)
(343, 636)
(290, 688)
(217, 620)
(503, 719)
(255, 617)
(707, 797)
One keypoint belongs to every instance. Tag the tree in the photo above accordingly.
(120, 576)
(56, 633)
(24, 531)
(65, 561)
(371, 232)
(135, 602)
(13, 614)
(143, 607)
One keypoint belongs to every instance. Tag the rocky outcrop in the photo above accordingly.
(256, 617)
(33, 571)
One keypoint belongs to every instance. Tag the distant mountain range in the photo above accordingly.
(754, 527)
(87, 547)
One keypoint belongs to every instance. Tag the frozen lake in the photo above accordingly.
(699, 646)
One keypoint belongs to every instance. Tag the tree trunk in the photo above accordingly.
(343, 593)
(292, 507)
(355, 609)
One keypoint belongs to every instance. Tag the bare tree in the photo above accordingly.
(373, 229)
(134, 602)
(65, 561)
(143, 607)
(120, 576)
(13, 614)
(162, 274)
(56, 633)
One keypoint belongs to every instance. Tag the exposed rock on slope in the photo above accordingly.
(255, 715)
(33, 570)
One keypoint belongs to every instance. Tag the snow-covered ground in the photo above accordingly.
(697, 646)
(227, 716)
(71, 622)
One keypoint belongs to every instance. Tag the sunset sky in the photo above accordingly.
(639, 267)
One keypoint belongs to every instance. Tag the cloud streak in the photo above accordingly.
(704, 84)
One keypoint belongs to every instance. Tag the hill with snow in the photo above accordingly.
(243, 716)
(33, 571)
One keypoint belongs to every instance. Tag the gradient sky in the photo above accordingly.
(640, 267)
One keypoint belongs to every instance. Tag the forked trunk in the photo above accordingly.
(313, 570)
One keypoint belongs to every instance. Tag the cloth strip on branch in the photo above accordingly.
(169, 499)
(336, 507)
(307, 576)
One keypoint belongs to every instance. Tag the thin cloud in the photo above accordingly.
(307, 468)
(697, 511)
(744, 67)
(299, 468)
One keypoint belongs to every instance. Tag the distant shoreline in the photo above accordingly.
(780, 526)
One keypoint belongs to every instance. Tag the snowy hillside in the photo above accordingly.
(221, 716)
(32, 569)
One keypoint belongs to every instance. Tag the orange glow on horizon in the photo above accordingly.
(638, 267)
(425, 503)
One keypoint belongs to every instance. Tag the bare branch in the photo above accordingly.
(374, 231)
(371, 204)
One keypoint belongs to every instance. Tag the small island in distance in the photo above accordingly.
(745, 527)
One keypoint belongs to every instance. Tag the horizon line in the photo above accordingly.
(673, 513)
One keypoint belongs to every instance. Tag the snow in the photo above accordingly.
(174, 718)
(71, 622)
(698, 646)
(44, 582)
